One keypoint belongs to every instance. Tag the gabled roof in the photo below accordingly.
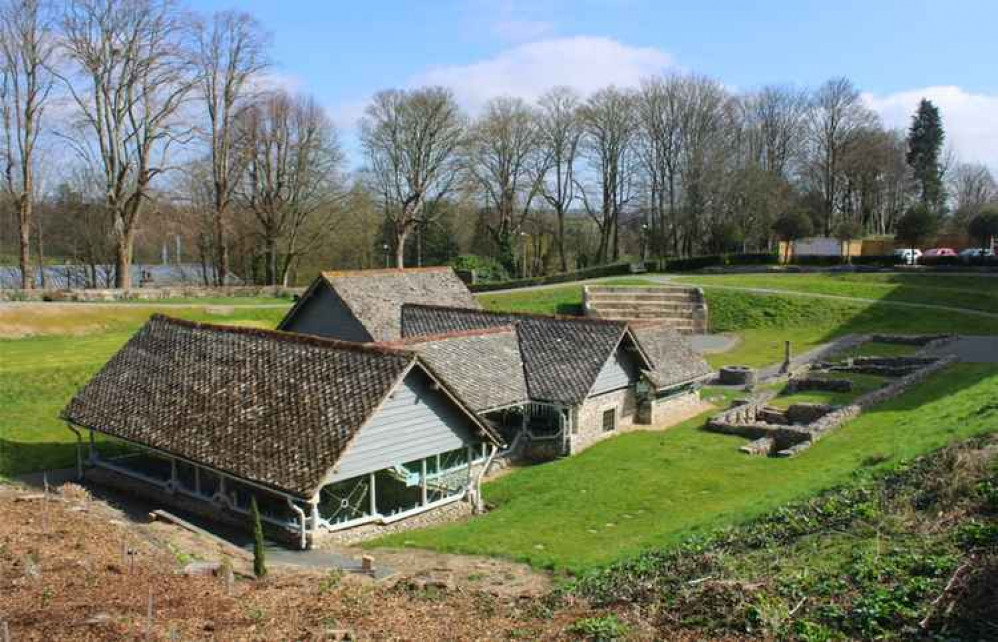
(483, 366)
(674, 360)
(375, 296)
(562, 356)
(274, 408)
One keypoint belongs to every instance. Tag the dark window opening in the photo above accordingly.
(609, 420)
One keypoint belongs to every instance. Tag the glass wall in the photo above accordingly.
(401, 489)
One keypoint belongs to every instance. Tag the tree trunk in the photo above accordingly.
(400, 237)
(271, 271)
(27, 272)
(123, 261)
(221, 247)
(561, 239)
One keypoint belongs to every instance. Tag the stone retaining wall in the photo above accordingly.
(148, 294)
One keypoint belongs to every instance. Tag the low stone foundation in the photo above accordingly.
(801, 384)
(790, 432)
(454, 511)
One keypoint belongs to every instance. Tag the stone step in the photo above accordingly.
(664, 308)
(652, 296)
(602, 289)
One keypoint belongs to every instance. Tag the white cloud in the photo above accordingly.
(585, 63)
(970, 120)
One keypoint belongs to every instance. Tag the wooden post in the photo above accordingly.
(786, 357)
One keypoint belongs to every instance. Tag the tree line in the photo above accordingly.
(129, 124)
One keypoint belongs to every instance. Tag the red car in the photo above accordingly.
(939, 251)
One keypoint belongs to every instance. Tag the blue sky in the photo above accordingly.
(895, 51)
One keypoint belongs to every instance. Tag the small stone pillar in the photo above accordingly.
(367, 564)
(785, 368)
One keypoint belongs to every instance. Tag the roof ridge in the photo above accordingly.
(456, 334)
(332, 274)
(524, 315)
(286, 337)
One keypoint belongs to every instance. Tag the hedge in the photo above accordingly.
(719, 260)
(613, 269)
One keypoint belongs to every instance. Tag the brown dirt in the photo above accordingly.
(73, 568)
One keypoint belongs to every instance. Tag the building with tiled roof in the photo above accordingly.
(325, 433)
(363, 305)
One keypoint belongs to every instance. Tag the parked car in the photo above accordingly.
(939, 251)
(907, 255)
(972, 252)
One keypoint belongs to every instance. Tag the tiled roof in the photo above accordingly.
(673, 357)
(562, 356)
(483, 366)
(375, 296)
(270, 407)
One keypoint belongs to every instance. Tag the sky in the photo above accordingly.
(896, 52)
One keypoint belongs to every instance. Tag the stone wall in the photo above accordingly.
(670, 411)
(148, 294)
(790, 440)
(587, 427)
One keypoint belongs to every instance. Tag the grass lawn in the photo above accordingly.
(555, 300)
(764, 321)
(861, 384)
(959, 291)
(648, 489)
(39, 374)
(878, 349)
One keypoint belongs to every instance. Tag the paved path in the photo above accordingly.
(713, 343)
(971, 349)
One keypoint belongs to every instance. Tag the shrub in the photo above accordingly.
(259, 557)
(600, 628)
(486, 270)
(613, 269)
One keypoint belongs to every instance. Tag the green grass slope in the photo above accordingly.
(650, 489)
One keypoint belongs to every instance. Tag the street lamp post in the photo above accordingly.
(385, 248)
(644, 243)
(523, 255)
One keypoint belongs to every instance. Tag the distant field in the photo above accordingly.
(39, 374)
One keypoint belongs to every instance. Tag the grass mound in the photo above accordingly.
(908, 553)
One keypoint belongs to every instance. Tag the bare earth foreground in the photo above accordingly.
(72, 568)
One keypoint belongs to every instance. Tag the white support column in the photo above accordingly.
(374, 503)
(422, 481)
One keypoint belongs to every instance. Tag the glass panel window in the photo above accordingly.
(345, 501)
(609, 420)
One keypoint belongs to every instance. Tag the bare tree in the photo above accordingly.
(610, 125)
(411, 139)
(707, 123)
(559, 134)
(776, 119)
(658, 146)
(26, 44)
(503, 157)
(133, 74)
(230, 55)
(291, 155)
(837, 114)
(973, 187)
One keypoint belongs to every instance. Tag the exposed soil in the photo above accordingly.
(74, 568)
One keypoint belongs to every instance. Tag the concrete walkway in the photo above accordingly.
(971, 349)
